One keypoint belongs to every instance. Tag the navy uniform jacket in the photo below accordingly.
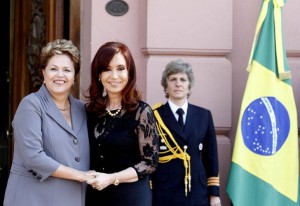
(200, 138)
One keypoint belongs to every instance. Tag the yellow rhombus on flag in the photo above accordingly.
(264, 169)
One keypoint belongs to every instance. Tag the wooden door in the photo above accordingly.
(29, 25)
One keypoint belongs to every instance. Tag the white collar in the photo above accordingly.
(174, 108)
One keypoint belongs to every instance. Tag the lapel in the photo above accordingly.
(53, 112)
(171, 122)
(78, 114)
(189, 122)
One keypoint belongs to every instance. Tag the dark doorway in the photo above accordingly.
(4, 93)
(62, 20)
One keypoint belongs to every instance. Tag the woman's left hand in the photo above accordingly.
(215, 201)
(100, 180)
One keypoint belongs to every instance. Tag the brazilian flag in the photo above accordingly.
(264, 169)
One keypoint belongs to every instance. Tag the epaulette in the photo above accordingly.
(156, 106)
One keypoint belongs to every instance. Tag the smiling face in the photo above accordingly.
(59, 74)
(177, 87)
(115, 77)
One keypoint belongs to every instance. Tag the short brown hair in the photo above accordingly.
(57, 47)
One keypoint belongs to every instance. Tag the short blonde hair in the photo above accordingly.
(60, 46)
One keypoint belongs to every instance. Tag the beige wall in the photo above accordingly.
(214, 36)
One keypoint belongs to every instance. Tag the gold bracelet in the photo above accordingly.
(117, 181)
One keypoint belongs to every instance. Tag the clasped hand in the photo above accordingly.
(100, 180)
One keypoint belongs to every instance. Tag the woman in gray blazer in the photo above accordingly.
(51, 148)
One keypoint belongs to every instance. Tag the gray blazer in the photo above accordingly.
(42, 141)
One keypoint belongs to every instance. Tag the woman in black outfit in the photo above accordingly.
(123, 136)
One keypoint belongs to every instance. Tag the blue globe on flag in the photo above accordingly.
(265, 126)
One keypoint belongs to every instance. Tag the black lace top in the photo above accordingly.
(128, 139)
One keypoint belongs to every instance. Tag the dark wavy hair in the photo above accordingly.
(130, 94)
